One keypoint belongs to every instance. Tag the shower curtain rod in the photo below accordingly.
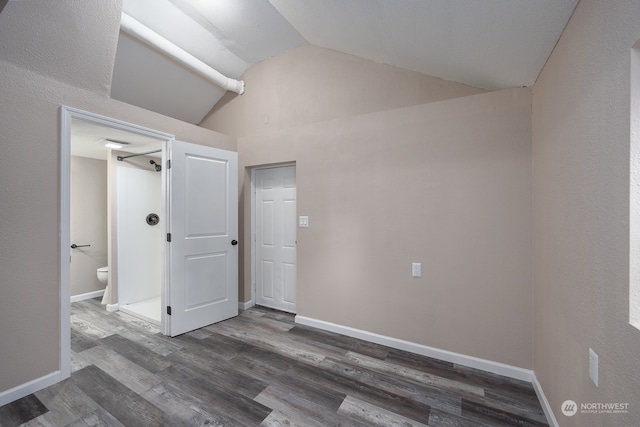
(121, 158)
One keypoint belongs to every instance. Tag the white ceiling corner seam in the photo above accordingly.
(141, 32)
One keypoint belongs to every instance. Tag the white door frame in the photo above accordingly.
(252, 302)
(66, 116)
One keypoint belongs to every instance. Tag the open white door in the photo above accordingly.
(202, 285)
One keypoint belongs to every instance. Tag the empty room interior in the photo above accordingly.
(341, 212)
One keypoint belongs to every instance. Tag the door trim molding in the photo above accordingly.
(527, 375)
(246, 305)
(32, 386)
(252, 232)
(87, 295)
(546, 406)
(437, 353)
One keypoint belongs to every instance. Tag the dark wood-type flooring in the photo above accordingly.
(260, 369)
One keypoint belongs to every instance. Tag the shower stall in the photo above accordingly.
(139, 239)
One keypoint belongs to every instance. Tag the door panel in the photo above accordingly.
(267, 279)
(205, 218)
(267, 223)
(203, 266)
(276, 238)
(289, 278)
(208, 265)
(289, 223)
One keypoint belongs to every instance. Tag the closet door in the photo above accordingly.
(275, 201)
(203, 252)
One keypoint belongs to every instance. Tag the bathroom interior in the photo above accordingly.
(117, 219)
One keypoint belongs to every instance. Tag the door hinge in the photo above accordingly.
(169, 164)
(168, 237)
(169, 310)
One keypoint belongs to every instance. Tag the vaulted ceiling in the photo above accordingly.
(491, 44)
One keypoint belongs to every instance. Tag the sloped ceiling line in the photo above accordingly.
(146, 35)
(492, 44)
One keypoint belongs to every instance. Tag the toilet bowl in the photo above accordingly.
(103, 275)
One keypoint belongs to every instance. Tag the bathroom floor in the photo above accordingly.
(260, 368)
(148, 310)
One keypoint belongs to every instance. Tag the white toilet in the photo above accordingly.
(103, 275)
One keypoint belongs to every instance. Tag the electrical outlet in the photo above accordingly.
(416, 269)
(593, 366)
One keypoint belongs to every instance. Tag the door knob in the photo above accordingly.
(234, 242)
(79, 246)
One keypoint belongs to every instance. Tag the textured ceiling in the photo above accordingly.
(88, 139)
(491, 44)
(48, 42)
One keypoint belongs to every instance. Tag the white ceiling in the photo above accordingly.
(491, 44)
(88, 139)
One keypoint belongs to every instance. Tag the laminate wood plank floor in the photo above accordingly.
(260, 369)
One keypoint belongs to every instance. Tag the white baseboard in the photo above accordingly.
(26, 389)
(88, 295)
(112, 307)
(246, 305)
(546, 407)
(448, 356)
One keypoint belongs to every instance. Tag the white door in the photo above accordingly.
(203, 252)
(276, 238)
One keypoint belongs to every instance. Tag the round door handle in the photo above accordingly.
(234, 242)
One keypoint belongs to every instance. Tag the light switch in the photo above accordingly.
(416, 269)
(303, 221)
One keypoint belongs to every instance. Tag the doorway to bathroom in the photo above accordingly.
(116, 183)
(172, 203)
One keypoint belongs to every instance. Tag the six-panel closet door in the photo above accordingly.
(275, 201)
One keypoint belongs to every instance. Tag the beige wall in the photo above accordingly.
(310, 84)
(447, 184)
(30, 158)
(581, 214)
(88, 223)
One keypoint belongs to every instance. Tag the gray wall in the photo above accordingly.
(581, 214)
(88, 223)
